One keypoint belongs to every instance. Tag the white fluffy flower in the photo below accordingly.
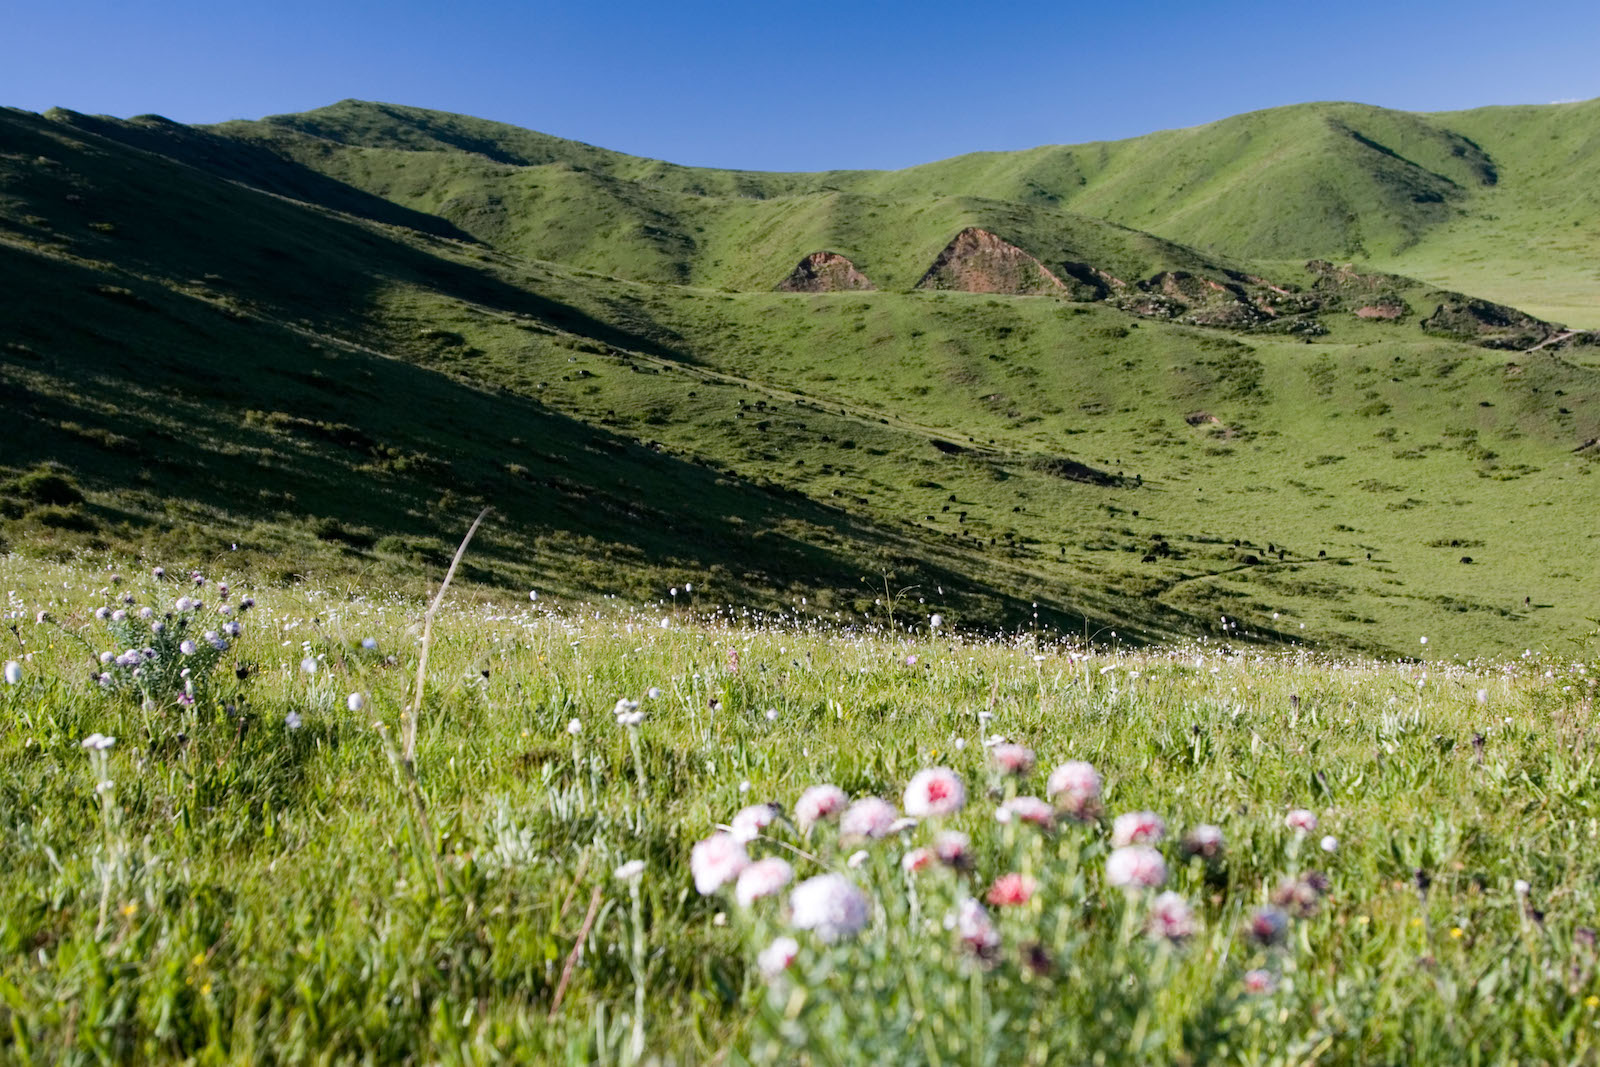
(1171, 917)
(818, 803)
(934, 791)
(1135, 867)
(830, 905)
(867, 817)
(717, 859)
(98, 742)
(1012, 758)
(750, 821)
(1074, 777)
(629, 871)
(1301, 821)
(1028, 809)
(976, 928)
(356, 701)
(1137, 828)
(13, 672)
(763, 878)
(776, 957)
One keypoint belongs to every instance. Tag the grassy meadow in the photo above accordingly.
(250, 876)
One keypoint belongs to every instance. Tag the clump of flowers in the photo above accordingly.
(165, 656)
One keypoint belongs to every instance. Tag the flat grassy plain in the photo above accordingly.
(245, 879)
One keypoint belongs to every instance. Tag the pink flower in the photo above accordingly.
(1011, 889)
(1028, 809)
(1267, 926)
(1259, 981)
(867, 817)
(1075, 787)
(1301, 821)
(763, 878)
(953, 848)
(1137, 828)
(748, 824)
(976, 928)
(717, 859)
(1172, 918)
(776, 957)
(935, 791)
(1012, 759)
(829, 904)
(1135, 867)
(916, 860)
(1204, 840)
(818, 803)
(1075, 778)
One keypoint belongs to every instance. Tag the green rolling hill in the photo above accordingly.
(330, 338)
(1495, 201)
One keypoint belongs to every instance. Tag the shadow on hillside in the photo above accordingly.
(164, 216)
(186, 415)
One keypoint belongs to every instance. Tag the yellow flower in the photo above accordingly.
(1591, 1001)
(1416, 921)
(199, 960)
(205, 990)
(129, 910)
(1455, 932)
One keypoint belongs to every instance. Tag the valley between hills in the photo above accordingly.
(1323, 374)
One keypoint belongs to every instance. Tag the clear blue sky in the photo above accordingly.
(797, 86)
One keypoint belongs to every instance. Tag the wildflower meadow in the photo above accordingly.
(657, 834)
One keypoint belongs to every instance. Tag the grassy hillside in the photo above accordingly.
(1493, 202)
(213, 364)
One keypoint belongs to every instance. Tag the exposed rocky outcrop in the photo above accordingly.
(1196, 300)
(1383, 311)
(824, 272)
(977, 261)
(1480, 322)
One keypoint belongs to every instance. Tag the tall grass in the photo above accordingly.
(268, 898)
